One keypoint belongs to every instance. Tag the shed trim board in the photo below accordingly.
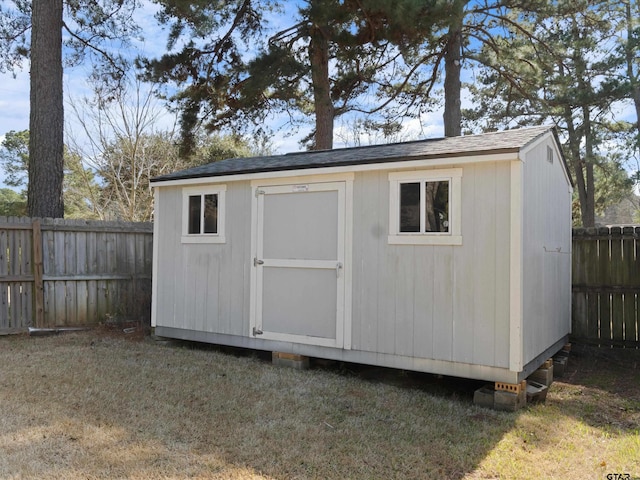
(156, 258)
(515, 270)
(452, 302)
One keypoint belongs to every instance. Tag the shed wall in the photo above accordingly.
(433, 301)
(439, 302)
(204, 287)
(546, 251)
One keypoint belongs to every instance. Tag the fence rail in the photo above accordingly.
(56, 272)
(606, 286)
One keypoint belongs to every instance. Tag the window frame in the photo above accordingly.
(219, 237)
(454, 235)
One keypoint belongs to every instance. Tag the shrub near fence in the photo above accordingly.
(56, 272)
(606, 286)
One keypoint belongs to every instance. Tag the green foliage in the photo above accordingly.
(97, 32)
(79, 188)
(12, 204)
(15, 22)
(558, 67)
(215, 147)
(236, 68)
(612, 185)
(14, 158)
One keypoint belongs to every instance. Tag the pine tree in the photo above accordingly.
(334, 58)
(566, 76)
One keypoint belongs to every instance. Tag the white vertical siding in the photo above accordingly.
(204, 287)
(501, 333)
(424, 293)
(546, 251)
(435, 301)
(368, 231)
(166, 242)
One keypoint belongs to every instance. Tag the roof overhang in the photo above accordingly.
(425, 162)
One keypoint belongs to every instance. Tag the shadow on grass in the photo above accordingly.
(380, 422)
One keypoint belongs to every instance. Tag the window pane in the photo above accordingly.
(194, 214)
(211, 213)
(436, 206)
(410, 207)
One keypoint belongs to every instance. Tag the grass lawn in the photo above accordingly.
(103, 404)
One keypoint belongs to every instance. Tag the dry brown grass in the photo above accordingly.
(95, 405)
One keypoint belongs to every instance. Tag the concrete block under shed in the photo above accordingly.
(560, 361)
(536, 392)
(503, 396)
(483, 397)
(509, 401)
(290, 360)
(543, 375)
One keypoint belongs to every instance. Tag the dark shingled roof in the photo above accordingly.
(507, 141)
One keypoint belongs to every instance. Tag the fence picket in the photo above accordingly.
(630, 317)
(617, 317)
(4, 306)
(4, 248)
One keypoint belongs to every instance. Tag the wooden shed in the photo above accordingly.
(449, 256)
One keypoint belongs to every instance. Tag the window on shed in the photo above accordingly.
(203, 211)
(425, 207)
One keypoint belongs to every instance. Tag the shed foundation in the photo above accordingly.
(290, 360)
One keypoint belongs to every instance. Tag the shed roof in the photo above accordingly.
(508, 141)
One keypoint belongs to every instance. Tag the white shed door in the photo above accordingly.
(300, 263)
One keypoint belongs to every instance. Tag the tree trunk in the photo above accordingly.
(631, 59)
(576, 160)
(319, 55)
(46, 120)
(452, 67)
(587, 202)
(589, 213)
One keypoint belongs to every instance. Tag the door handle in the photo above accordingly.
(338, 267)
(257, 262)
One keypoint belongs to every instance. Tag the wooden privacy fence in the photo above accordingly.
(56, 272)
(606, 286)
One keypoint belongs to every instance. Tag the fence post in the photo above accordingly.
(38, 287)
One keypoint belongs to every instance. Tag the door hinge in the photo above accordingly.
(257, 262)
(257, 332)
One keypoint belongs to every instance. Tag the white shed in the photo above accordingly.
(449, 256)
